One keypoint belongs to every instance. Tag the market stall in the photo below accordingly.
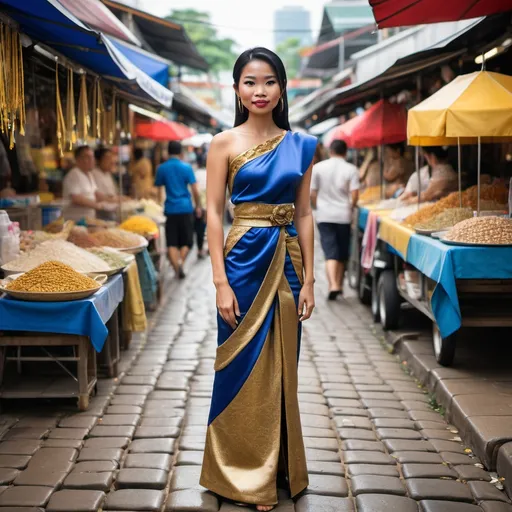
(439, 262)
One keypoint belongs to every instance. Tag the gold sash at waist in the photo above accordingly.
(260, 215)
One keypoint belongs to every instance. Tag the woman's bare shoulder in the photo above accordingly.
(223, 139)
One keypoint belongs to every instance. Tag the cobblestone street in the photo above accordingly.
(373, 441)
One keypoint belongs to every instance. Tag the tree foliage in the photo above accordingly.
(217, 51)
(289, 51)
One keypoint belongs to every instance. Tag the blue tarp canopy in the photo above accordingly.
(156, 68)
(49, 23)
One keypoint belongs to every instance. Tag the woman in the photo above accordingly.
(397, 169)
(264, 289)
(105, 166)
(414, 185)
(142, 175)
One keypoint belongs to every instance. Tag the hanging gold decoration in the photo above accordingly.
(84, 119)
(70, 111)
(100, 111)
(61, 123)
(12, 83)
(112, 121)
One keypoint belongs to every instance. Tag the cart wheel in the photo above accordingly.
(365, 291)
(375, 301)
(389, 300)
(444, 348)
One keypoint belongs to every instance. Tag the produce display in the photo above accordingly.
(117, 238)
(141, 225)
(152, 208)
(81, 237)
(492, 197)
(482, 230)
(58, 250)
(370, 194)
(27, 240)
(114, 258)
(446, 219)
(52, 276)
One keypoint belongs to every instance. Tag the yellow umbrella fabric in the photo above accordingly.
(471, 106)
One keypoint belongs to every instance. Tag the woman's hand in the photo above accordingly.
(306, 301)
(227, 304)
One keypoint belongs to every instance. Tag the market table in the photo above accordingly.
(81, 324)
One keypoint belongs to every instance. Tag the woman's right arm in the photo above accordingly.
(216, 179)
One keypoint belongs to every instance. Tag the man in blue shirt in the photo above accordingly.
(177, 176)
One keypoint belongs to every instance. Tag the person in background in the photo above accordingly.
(141, 172)
(319, 154)
(369, 172)
(413, 187)
(80, 189)
(176, 177)
(105, 165)
(397, 169)
(334, 195)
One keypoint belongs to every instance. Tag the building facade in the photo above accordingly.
(292, 22)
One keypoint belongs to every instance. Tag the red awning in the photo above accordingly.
(162, 130)
(382, 123)
(405, 13)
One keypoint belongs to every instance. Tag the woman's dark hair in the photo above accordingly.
(438, 151)
(138, 153)
(398, 146)
(100, 153)
(280, 113)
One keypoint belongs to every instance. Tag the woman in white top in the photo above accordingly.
(413, 187)
(106, 165)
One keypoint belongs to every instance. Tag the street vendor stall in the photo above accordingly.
(453, 260)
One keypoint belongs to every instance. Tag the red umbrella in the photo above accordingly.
(404, 13)
(382, 123)
(162, 130)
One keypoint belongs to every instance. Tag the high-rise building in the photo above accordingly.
(292, 22)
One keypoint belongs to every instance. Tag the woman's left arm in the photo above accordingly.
(305, 230)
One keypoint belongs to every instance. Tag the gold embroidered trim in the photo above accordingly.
(234, 235)
(263, 215)
(294, 250)
(250, 154)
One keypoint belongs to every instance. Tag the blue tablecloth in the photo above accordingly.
(362, 217)
(86, 317)
(444, 264)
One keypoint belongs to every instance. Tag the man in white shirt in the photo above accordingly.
(334, 195)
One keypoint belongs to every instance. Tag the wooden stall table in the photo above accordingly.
(81, 325)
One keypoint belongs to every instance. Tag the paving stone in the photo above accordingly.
(447, 446)
(107, 442)
(190, 458)
(387, 413)
(41, 477)
(326, 468)
(458, 458)
(361, 457)
(26, 447)
(118, 431)
(371, 469)
(447, 506)
(418, 458)
(448, 490)
(124, 409)
(68, 433)
(485, 491)
(78, 422)
(381, 503)
(76, 501)
(161, 422)
(14, 461)
(21, 509)
(148, 461)
(357, 433)
(495, 506)
(25, 496)
(376, 484)
(321, 443)
(327, 485)
(382, 404)
(137, 478)
(467, 473)
(152, 446)
(54, 459)
(443, 435)
(306, 432)
(315, 503)
(321, 455)
(135, 500)
(192, 500)
(398, 433)
(185, 477)
(26, 433)
(114, 420)
(95, 466)
(369, 446)
(393, 423)
(349, 411)
(63, 443)
(428, 471)
(425, 415)
(425, 424)
(94, 481)
(156, 432)
(352, 422)
(7, 475)
(129, 400)
(398, 445)
(112, 454)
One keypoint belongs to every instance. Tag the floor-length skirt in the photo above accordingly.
(254, 425)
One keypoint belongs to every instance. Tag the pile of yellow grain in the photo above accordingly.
(52, 276)
(140, 225)
(491, 198)
(370, 194)
(117, 238)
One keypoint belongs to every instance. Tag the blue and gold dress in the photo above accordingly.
(254, 424)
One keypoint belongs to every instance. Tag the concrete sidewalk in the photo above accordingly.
(373, 441)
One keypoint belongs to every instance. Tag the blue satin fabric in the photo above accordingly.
(271, 178)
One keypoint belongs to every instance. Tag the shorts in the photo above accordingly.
(335, 239)
(179, 230)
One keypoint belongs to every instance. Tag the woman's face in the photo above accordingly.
(258, 88)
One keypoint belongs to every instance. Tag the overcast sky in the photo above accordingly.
(249, 23)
